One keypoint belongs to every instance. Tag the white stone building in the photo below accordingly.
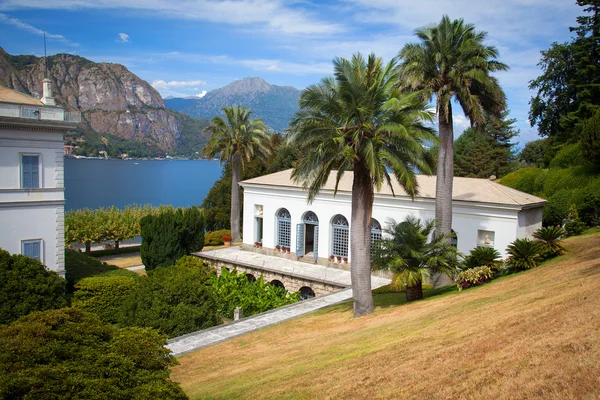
(484, 213)
(31, 175)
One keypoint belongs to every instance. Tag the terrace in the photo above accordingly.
(38, 112)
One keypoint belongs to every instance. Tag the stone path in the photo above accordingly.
(136, 268)
(197, 340)
(315, 272)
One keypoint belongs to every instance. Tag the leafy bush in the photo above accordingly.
(27, 286)
(590, 209)
(175, 300)
(71, 354)
(549, 239)
(557, 210)
(170, 235)
(569, 156)
(574, 228)
(215, 238)
(79, 266)
(473, 277)
(524, 254)
(104, 295)
(481, 256)
(234, 290)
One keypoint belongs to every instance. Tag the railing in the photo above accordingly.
(39, 113)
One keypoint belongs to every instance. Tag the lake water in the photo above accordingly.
(105, 183)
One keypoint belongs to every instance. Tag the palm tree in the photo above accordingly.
(452, 63)
(237, 140)
(407, 251)
(360, 121)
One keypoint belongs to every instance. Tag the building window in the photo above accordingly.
(340, 234)
(454, 239)
(284, 227)
(32, 249)
(375, 233)
(30, 171)
(486, 238)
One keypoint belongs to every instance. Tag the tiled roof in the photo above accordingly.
(464, 189)
(11, 96)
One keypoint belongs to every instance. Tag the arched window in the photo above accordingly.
(311, 218)
(306, 293)
(284, 227)
(375, 231)
(339, 236)
(453, 238)
(277, 283)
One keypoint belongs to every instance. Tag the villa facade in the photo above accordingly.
(485, 213)
(31, 175)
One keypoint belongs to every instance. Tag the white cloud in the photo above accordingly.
(161, 84)
(123, 38)
(32, 29)
(201, 94)
(272, 15)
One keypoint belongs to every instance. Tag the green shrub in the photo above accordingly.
(480, 256)
(79, 265)
(103, 295)
(574, 228)
(27, 286)
(234, 290)
(524, 254)
(549, 239)
(473, 277)
(175, 300)
(590, 208)
(71, 354)
(569, 156)
(216, 238)
(557, 210)
(170, 235)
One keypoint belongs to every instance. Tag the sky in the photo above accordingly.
(189, 47)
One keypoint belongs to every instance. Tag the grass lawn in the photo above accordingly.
(123, 261)
(535, 334)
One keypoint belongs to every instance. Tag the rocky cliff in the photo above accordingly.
(112, 99)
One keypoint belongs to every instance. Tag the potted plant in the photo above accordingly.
(345, 260)
(278, 248)
(288, 250)
(260, 245)
(339, 259)
(227, 240)
(332, 258)
(257, 245)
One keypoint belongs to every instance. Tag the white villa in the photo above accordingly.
(31, 175)
(485, 213)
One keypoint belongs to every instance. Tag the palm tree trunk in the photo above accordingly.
(235, 198)
(445, 173)
(414, 292)
(360, 241)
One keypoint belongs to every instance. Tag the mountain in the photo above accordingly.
(112, 99)
(274, 104)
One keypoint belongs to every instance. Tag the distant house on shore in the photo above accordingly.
(485, 213)
(31, 175)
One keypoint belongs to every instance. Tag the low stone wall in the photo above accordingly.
(292, 282)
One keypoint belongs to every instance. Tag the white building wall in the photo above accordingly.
(31, 214)
(471, 221)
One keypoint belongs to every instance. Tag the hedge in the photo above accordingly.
(104, 295)
(170, 235)
(27, 286)
(216, 238)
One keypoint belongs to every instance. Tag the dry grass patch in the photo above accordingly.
(123, 261)
(531, 335)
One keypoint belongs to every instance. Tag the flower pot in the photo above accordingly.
(339, 260)
(227, 244)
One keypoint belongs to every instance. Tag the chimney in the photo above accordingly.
(47, 98)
